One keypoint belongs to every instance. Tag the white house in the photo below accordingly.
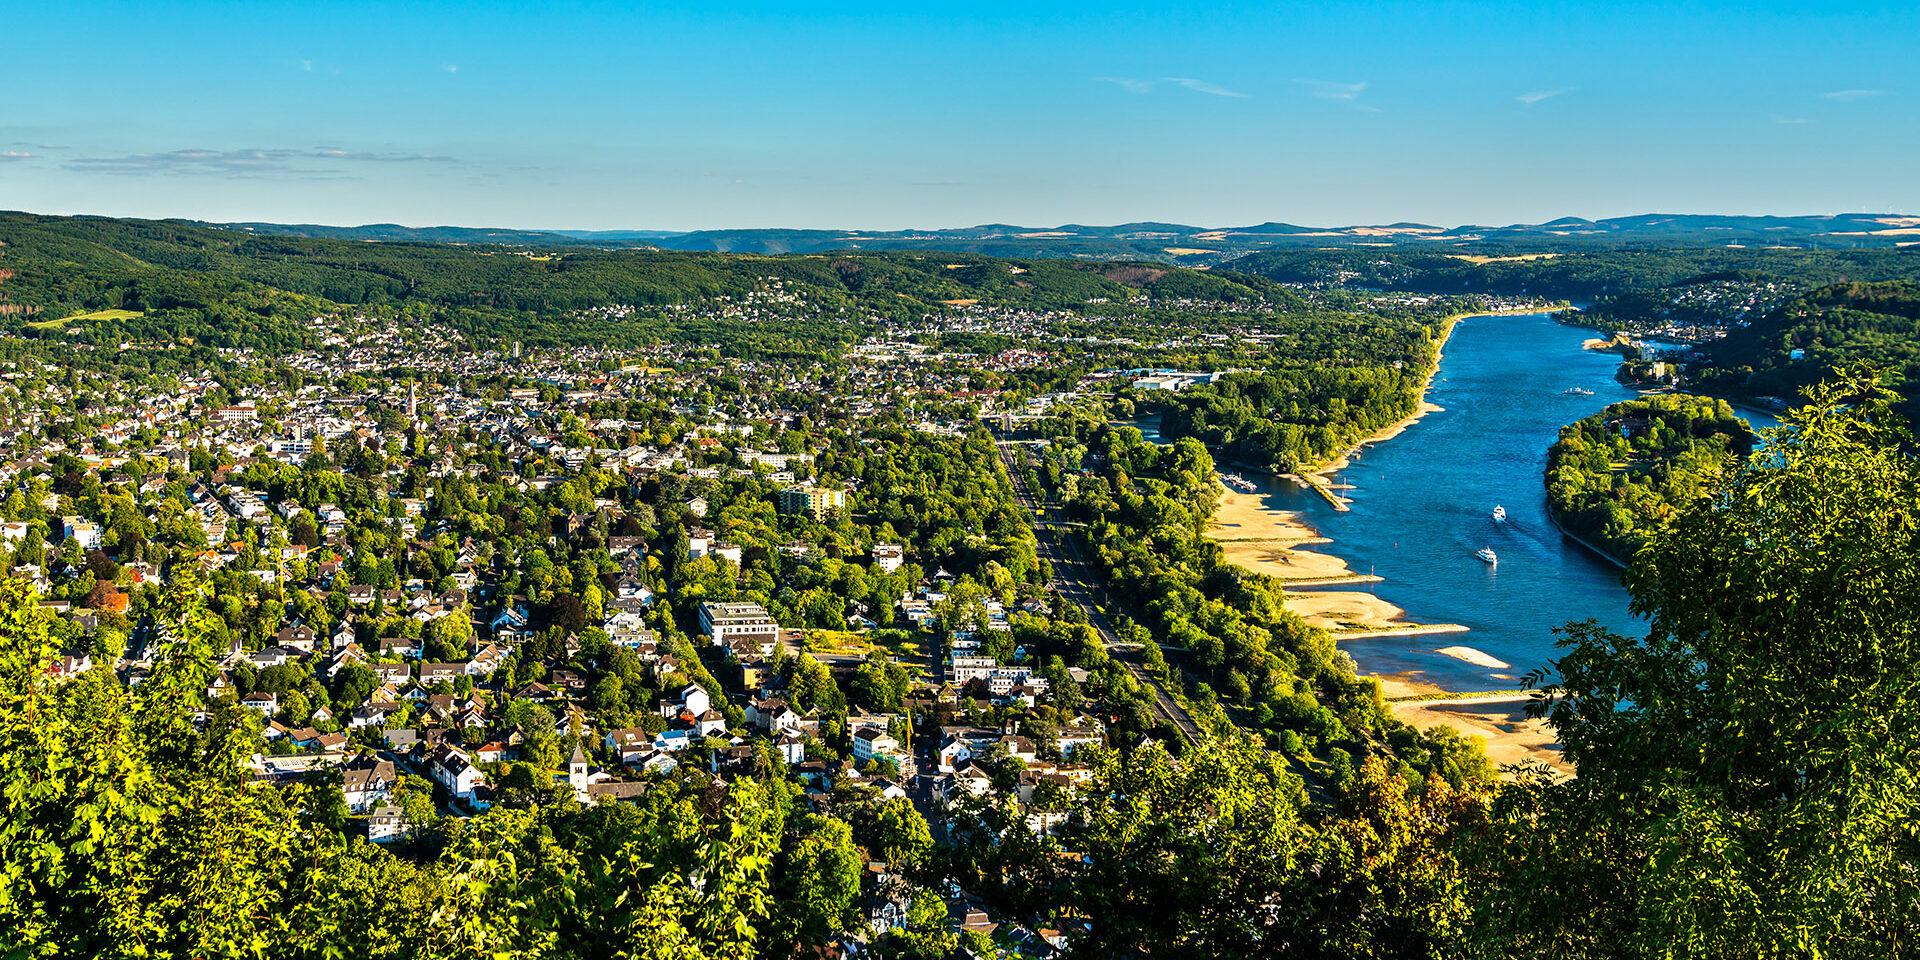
(386, 822)
(791, 748)
(692, 699)
(450, 768)
(872, 743)
(366, 782)
(79, 530)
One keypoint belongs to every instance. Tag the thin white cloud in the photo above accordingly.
(335, 153)
(1128, 84)
(188, 161)
(7, 155)
(306, 66)
(1201, 86)
(1538, 95)
(450, 67)
(1332, 90)
(1338, 92)
(1848, 96)
(238, 163)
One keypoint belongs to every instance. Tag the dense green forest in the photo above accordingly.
(1616, 477)
(1343, 380)
(1744, 789)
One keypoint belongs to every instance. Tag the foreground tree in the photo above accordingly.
(1749, 771)
(126, 831)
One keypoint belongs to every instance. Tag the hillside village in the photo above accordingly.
(438, 597)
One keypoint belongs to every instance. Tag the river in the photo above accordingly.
(1421, 505)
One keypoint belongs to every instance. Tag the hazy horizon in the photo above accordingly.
(600, 116)
(858, 228)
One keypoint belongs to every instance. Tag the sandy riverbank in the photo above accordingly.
(1264, 540)
(1324, 475)
(1270, 541)
(1511, 737)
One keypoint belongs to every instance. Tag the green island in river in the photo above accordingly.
(1614, 476)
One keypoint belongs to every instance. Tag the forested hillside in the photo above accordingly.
(1616, 477)
(1579, 275)
(1182, 243)
(1799, 344)
(231, 287)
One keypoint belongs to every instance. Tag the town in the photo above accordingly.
(444, 579)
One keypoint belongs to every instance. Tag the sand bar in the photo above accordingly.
(1475, 657)
(1269, 541)
(1400, 630)
(1501, 719)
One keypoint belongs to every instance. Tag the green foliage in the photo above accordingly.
(893, 831)
(1339, 381)
(1192, 856)
(1747, 770)
(822, 870)
(1617, 476)
(128, 832)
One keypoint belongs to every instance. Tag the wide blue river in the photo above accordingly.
(1422, 505)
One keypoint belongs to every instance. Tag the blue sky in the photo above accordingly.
(640, 115)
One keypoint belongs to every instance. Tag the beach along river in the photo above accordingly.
(1422, 503)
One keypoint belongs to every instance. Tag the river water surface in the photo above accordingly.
(1422, 505)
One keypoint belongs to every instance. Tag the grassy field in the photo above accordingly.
(96, 315)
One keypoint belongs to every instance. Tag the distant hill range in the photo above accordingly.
(1182, 244)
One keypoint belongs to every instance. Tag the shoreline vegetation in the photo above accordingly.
(1554, 516)
(1273, 542)
(1320, 478)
